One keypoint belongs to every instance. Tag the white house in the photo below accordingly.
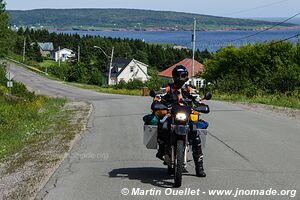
(63, 54)
(126, 70)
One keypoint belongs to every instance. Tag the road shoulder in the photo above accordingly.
(276, 111)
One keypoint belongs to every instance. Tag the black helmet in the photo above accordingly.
(180, 75)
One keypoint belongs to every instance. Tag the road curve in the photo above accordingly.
(245, 149)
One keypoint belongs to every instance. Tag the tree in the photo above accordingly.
(5, 36)
(95, 77)
(78, 73)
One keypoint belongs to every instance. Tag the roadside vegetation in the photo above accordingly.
(24, 117)
(267, 73)
(35, 134)
(35, 131)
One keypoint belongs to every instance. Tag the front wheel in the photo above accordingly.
(171, 171)
(179, 163)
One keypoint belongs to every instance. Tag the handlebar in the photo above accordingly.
(161, 93)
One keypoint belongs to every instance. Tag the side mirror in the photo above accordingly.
(202, 109)
(208, 96)
(152, 93)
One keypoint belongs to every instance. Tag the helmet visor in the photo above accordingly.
(183, 76)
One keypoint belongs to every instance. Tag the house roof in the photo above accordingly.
(116, 65)
(46, 46)
(119, 64)
(188, 63)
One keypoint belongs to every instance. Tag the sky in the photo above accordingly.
(229, 8)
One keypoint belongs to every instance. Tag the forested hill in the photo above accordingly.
(127, 19)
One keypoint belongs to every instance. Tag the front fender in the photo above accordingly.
(181, 129)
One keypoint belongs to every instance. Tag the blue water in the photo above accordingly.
(211, 40)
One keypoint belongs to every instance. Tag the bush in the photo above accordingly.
(20, 90)
(130, 85)
(95, 77)
(3, 90)
(268, 67)
(121, 85)
(77, 73)
(134, 84)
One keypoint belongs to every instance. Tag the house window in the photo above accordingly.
(131, 68)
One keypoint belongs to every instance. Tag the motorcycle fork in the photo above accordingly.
(186, 152)
(173, 156)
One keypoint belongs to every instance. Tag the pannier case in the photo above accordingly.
(150, 136)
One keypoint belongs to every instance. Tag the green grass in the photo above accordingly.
(47, 63)
(108, 90)
(280, 100)
(22, 122)
(15, 56)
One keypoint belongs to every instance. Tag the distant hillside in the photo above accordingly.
(127, 19)
(280, 19)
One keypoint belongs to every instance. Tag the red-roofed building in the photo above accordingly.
(188, 63)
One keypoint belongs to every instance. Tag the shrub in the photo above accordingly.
(20, 90)
(268, 67)
(121, 85)
(95, 77)
(134, 84)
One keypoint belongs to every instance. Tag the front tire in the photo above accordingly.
(171, 171)
(179, 163)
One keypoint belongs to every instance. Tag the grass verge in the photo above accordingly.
(280, 100)
(107, 90)
(24, 122)
(35, 137)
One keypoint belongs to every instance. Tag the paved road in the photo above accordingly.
(245, 150)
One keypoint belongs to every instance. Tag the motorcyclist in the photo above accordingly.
(174, 92)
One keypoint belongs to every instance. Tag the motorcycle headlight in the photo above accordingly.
(181, 117)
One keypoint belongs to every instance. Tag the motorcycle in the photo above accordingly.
(175, 124)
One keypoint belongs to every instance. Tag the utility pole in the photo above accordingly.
(78, 53)
(194, 47)
(24, 49)
(59, 56)
(110, 65)
(111, 60)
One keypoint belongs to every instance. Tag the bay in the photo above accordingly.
(210, 40)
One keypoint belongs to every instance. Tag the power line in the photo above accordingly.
(283, 40)
(264, 30)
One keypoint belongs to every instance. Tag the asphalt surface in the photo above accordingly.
(244, 149)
